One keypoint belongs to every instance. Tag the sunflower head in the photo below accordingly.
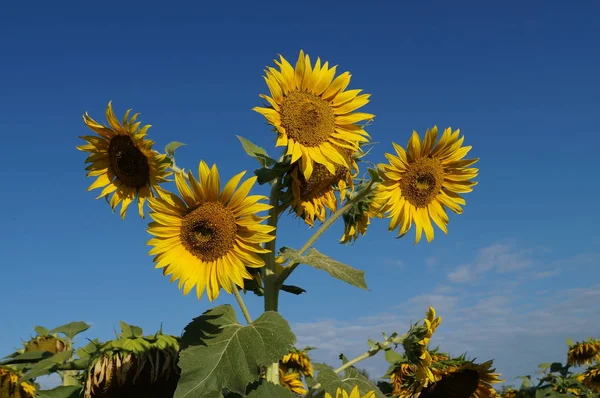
(292, 381)
(584, 353)
(10, 387)
(416, 344)
(459, 378)
(49, 343)
(358, 217)
(418, 183)
(591, 378)
(355, 393)
(134, 366)
(297, 360)
(313, 114)
(510, 393)
(208, 237)
(123, 161)
(399, 375)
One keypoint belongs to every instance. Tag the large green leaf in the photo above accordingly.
(47, 366)
(338, 270)
(219, 353)
(270, 390)
(71, 329)
(256, 152)
(330, 381)
(172, 146)
(61, 392)
(130, 331)
(550, 393)
(27, 357)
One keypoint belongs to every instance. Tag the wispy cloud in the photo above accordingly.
(393, 262)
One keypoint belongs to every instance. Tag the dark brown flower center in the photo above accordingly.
(461, 384)
(209, 231)
(307, 118)
(320, 181)
(128, 163)
(422, 181)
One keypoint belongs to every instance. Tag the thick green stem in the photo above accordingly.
(328, 223)
(240, 300)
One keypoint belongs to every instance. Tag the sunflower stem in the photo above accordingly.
(240, 300)
(328, 223)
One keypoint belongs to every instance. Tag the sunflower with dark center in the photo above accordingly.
(313, 115)
(206, 238)
(419, 182)
(584, 353)
(463, 380)
(591, 378)
(10, 387)
(123, 160)
(312, 197)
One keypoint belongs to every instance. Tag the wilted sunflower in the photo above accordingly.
(591, 378)
(313, 196)
(354, 394)
(419, 182)
(292, 382)
(208, 238)
(416, 345)
(123, 161)
(297, 360)
(312, 113)
(465, 380)
(584, 353)
(47, 343)
(10, 387)
(133, 366)
(398, 377)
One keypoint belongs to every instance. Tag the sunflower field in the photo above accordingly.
(215, 236)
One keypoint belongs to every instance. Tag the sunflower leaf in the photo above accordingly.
(27, 357)
(71, 329)
(268, 390)
(171, 147)
(214, 341)
(266, 175)
(130, 331)
(256, 152)
(330, 381)
(61, 392)
(47, 366)
(338, 270)
(375, 177)
(42, 331)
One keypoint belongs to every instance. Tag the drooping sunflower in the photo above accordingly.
(292, 381)
(591, 378)
(398, 377)
(419, 182)
(134, 366)
(416, 345)
(464, 380)
(207, 238)
(48, 343)
(311, 197)
(297, 360)
(313, 114)
(355, 393)
(10, 387)
(584, 353)
(123, 160)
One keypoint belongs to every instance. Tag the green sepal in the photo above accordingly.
(256, 152)
(171, 147)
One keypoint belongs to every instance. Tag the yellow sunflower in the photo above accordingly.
(419, 182)
(207, 238)
(292, 382)
(398, 377)
(297, 360)
(313, 114)
(584, 353)
(10, 387)
(416, 346)
(355, 393)
(591, 378)
(466, 380)
(311, 197)
(123, 161)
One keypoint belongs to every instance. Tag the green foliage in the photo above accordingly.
(47, 365)
(71, 329)
(334, 268)
(269, 390)
(130, 331)
(61, 392)
(331, 381)
(257, 152)
(171, 147)
(218, 352)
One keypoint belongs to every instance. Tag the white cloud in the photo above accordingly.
(461, 274)
(393, 262)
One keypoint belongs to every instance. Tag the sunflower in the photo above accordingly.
(584, 353)
(416, 346)
(297, 360)
(398, 377)
(591, 378)
(292, 382)
(311, 197)
(358, 218)
(465, 380)
(313, 114)
(208, 237)
(417, 183)
(123, 161)
(47, 343)
(10, 387)
(510, 393)
(355, 393)
(134, 366)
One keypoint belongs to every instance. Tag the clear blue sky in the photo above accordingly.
(520, 79)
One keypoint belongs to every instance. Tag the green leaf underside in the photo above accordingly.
(256, 152)
(61, 392)
(71, 329)
(330, 381)
(27, 357)
(338, 270)
(270, 390)
(172, 146)
(219, 353)
(47, 365)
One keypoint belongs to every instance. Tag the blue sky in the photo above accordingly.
(518, 272)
